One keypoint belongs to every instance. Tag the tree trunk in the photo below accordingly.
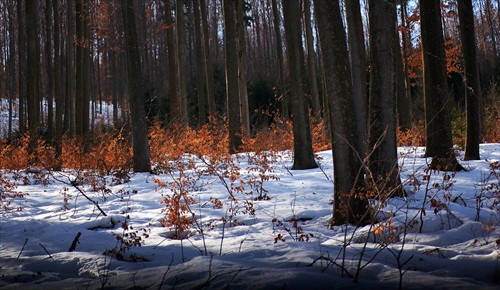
(69, 108)
(383, 172)
(311, 61)
(280, 91)
(436, 96)
(173, 74)
(212, 109)
(135, 90)
(32, 78)
(57, 85)
(302, 141)
(49, 69)
(405, 40)
(79, 97)
(181, 47)
(200, 65)
(242, 65)
(348, 172)
(357, 54)
(232, 93)
(12, 66)
(23, 66)
(472, 85)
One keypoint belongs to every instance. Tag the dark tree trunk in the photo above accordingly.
(181, 48)
(242, 66)
(232, 93)
(212, 109)
(32, 74)
(22, 63)
(302, 141)
(200, 65)
(357, 55)
(311, 61)
(279, 48)
(472, 85)
(436, 96)
(173, 74)
(135, 90)
(348, 171)
(383, 171)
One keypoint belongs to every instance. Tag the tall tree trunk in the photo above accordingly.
(302, 141)
(472, 85)
(69, 108)
(279, 48)
(22, 63)
(79, 97)
(181, 47)
(136, 91)
(405, 40)
(57, 85)
(348, 173)
(242, 66)
(436, 96)
(32, 74)
(357, 54)
(12, 65)
(86, 70)
(173, 74)
(311, 61)
(403, 102)
(212, 109)
(232, 93)
(49, 69)
(200, 65)
(382, 151)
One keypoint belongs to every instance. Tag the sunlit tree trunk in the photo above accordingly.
(302, 141)
(472, 86)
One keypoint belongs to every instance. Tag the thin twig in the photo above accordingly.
(47, 252)
(22, 249)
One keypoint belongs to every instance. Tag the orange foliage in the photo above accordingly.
(413, 137)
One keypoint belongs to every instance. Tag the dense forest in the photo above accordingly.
(360, 77)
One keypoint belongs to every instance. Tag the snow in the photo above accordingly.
(451, 249)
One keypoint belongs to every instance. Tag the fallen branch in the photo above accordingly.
(75, 241)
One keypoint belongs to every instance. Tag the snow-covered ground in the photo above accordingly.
(454, 242)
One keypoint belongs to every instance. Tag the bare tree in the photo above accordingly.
(311, 61)
(279, 49)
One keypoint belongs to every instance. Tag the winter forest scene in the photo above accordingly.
(250, 144)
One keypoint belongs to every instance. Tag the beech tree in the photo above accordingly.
(303, 157)
(382, 149)
(140, 145)
(349, 204)
(472, 86)
(232, 92)
(437, 99)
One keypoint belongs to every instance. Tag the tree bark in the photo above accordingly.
(242, 65)
(136, 91)
(472, 85)
(22, 69)
(349, 207)
(383, 172)
(212, 109)
(173, 74)
(232, 93)
(357, 54)
(436, 96)
(302, 141)
(311, 61)
(280, 91)
(181, 47)
(32, 78)
(200, 65)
